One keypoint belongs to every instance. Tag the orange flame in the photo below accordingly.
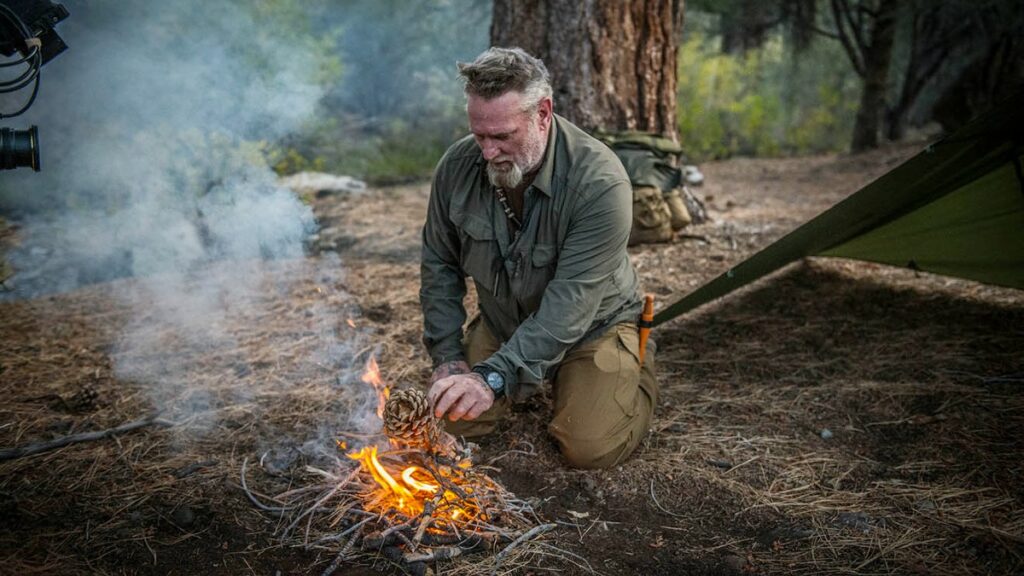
(368, 457)
(372, 377)
(404, 492)
(407, 489)
(410, 481)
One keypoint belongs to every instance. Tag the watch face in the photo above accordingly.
(495, 381)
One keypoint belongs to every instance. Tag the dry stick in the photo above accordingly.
(37, 447)
(418, 537)
(446, 553)
(349, 530)
(254, 499)
(309, 522)
(312, 509)
(660, 507)
(344, 552)
(536, 531)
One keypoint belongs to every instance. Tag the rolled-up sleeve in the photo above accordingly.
(442, 283)
(589, 259)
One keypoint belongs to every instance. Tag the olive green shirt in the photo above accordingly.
(564, 279)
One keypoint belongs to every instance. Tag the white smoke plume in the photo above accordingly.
(152, 127)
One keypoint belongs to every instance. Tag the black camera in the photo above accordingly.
(19, 148)
(26, 33)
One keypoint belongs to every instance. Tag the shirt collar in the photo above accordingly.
(543, 179)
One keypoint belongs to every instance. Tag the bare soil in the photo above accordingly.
(836, 417)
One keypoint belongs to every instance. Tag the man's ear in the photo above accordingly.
(544, 111)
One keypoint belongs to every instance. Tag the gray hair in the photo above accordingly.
(500, 70)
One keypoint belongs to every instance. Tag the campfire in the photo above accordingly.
(410, 494)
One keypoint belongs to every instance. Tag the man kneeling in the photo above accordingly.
(538, 213)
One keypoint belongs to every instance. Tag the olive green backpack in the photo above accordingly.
(661, 202)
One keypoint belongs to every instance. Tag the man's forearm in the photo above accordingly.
(447, 369)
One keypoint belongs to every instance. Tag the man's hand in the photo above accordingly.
(464, 396)
(448, 369)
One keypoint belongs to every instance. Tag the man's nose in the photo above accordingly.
(490, 151)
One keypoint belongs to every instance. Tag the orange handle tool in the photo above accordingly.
(646, 323)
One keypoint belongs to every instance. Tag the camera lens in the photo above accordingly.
(19, 148)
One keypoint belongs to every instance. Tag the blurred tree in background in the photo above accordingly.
(398, 104)
(754, 77)
(903, 64)
(612, 62)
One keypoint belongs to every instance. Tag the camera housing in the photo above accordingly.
(39, 17)
(26, 28)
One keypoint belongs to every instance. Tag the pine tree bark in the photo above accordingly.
(612, 62)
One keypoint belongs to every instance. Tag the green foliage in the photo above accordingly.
(767, 102)
(398, 104)
(277, 23)
(395, 152)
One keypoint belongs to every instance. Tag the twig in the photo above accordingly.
(660, 507)
(536, 531)
(446, 553)
(345, 550)
(316, 506)
(37, 447)
(425, 520)
(418, 536)
(252, 497)
(349, 530)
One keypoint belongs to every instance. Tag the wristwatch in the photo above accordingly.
(494, 380)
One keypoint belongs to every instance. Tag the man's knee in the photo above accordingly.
(590, 454)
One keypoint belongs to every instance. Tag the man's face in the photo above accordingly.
(512, 141)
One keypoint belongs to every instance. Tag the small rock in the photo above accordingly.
(322, 184)
(183, 517)
(926, 505)
(734, 562)
(693, 175)
(783, 533)
(858, 521)
(826, 434)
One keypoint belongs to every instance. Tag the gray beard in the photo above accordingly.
(506, 179)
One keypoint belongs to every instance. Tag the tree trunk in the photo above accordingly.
(612, 62)
(746, 25)
(877, 57)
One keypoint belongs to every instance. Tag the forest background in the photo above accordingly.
(772, 78)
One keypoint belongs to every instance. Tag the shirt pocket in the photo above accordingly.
(543, 255)
(543, 263)
(478, 250)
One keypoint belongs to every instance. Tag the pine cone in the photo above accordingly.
(86, 399)
(408, 418)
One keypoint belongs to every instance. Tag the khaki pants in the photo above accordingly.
(603, 401)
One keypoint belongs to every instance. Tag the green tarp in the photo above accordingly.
(957, 208)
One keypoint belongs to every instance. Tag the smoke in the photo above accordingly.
(151, 127)
(154, 126)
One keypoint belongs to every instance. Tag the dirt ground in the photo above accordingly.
(836, 417)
